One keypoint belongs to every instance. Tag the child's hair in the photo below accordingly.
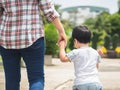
(82, 34)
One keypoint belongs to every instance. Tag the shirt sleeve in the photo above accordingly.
(72, 55)
(48, 9)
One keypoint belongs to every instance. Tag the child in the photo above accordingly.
(85, 60)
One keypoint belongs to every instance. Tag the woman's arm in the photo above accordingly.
(59, 26)
(52, 15)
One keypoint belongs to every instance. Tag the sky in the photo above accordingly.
(112, 5)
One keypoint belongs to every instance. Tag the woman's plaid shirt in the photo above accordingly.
(21, 23)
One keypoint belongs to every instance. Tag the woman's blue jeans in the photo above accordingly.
(33, 57)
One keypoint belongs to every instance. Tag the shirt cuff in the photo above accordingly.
(52, 15)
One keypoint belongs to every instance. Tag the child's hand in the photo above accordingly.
(100, 52)
(62, 44)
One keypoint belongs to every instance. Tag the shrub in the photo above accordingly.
(104, 50)
(51, 37)
(117, 50)
(71, 44)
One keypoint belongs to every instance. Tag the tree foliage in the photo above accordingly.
(71, 44)
(108, 23)
(115, 39)
(96, 38)
(107, 41)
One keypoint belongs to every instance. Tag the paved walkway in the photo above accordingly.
(59, 76)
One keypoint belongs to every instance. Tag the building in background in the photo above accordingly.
(78, 14)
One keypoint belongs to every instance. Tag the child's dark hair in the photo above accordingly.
(82, 34)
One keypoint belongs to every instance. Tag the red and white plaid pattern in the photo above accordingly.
(21, 23)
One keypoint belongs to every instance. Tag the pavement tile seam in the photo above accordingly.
(61, 84)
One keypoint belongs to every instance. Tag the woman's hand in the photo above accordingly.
(62, 37)
(61, 31)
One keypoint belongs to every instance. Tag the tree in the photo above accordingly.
(102, 22)
(118, 6)
(96, 38)
(90, 22)
(107, 41)
(110, 24)
(98, 26)
(115, 24)
(115, 39)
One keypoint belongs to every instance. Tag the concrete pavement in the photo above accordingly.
(59, 76)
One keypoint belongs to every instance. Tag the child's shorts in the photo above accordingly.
(88, 86)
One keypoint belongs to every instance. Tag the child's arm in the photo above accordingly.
(98, 60)
(62, 53)
(97, 65)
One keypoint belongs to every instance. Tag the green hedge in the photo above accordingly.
(51, 37)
